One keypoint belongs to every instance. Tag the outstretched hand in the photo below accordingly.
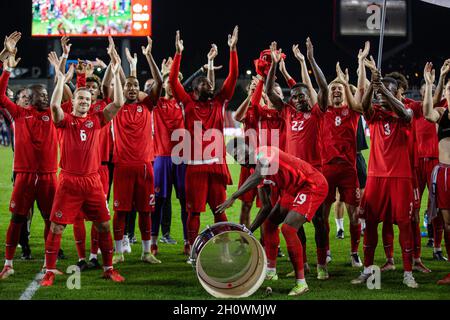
(363, 53)
(276, 54)
(148, 49)
(54, 60)
(11, 61)
(445, 67)
(166, 65)
(309, 49)
(11, 42)
(178, 43)
(344, 77)
(65, 45)
(296, 50)
(233, 39)
(429, 74)
(132, 60)
(221, 208)
(213, 52)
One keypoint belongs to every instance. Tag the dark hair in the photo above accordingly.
(402, 82)
(390, 80)
(299, 85)
(36, 87)
(198, 80)
(18, 92)
(95, 79)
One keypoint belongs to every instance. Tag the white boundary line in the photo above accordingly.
(32, 287)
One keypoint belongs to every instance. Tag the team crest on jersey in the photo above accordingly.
(45, 118)
(58, 214)
(157, 189)
(89, 124)
(139, 109)
(12, 204)
(97, 109)
(307, 115)
(345, 112)
(116, 203)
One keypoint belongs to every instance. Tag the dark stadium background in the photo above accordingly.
(203, 22)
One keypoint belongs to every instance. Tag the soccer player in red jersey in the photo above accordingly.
(390, 170)
(388, 231)
(303, 121)
(133, 156)
(440, 194)
(79, 185)
(303, 189)
(35, 158)
(207, 173)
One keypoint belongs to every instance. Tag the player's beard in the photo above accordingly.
(205, 95)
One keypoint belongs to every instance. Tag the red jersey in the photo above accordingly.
(389, 147)
(339, 135)
(133, 141)
(167, 117)
(413, 144)
(80, 138)
(289, 173)
(206, 117)
(35, 145)
(271, 126)
(303, 133)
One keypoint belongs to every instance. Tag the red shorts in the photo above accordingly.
(307, 200)
(342, 176)
(249, 196)
(103, 171)
(426, 166)
(29, 187)
(202, 188)
(75, 194)
(443, 188)
(133, 188)
(387, 199)
(274, 194)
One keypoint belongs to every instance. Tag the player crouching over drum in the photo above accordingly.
(303, 189)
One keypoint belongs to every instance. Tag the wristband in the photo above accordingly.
(65, 55)
(9, 69)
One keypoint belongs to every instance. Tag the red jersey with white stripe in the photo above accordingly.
(289, 173)
(35, 139)
(303, 133)
(133, 141)
(390, 145)
(204, 120)
(80, 138)
(167, 117)
(339, 135)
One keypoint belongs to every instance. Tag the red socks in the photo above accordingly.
(271, 242)
(193, 226)
(388, 239)
(12, 239)
(295, 249)
(406, 243)
(106, 247)
(52, 246)
(119, 225)
(145, 225)
(79, 232)
(94, 240)
(438, 226)
(355, 236)
(46, 228)
(417, 238)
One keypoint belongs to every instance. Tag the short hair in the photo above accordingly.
(131, 78)
(299, 85)
(402, 82)
(390, 80)
(95, 79)
(336, 81)
(18, 92)
(79, 90)
(198, 80)
(166, 75)
(36, 87)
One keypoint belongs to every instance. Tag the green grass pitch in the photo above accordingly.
(174, 279)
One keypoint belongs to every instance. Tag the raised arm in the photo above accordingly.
(305, 75)
(430, 113)
(65, 45)
(242, 110)
(156, 74)
(396, 105)
(289, 80)
(113, 108)
(274, 98)
(227, 91)
(132, 60)
(55, 102)
(177, 89)
(344, 78)
(440, 86)
(322, 97)
(10, 44)
(212, 54)
(362, 76)
(8, 66)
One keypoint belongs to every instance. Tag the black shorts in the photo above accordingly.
(361, 168)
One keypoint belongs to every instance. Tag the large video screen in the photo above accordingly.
(91, 18)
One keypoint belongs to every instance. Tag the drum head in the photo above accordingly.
(231, 264)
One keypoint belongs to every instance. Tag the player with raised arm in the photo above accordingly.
(79, 185)
(35, 157)
(302, 187)
(133, 156)
(207, 173)
(440, 193)
(389, 170)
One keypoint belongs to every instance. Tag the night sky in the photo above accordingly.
(287, 22)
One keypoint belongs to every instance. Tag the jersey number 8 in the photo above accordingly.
(338, 121)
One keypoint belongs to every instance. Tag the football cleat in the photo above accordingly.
(6, 272)
(322, 273)
(355, 260)
(419, 266)
(362, 278)
(388, 266)
(299, 289)
(271, 276)
(83, 265)
(329, 259)
(48, 279)
(409, 280)
(118, 257)
(113, 275)
(445, 280)
(340, 234)
(168, 239)
(439, 256)
(93, 264)
(149, 258)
